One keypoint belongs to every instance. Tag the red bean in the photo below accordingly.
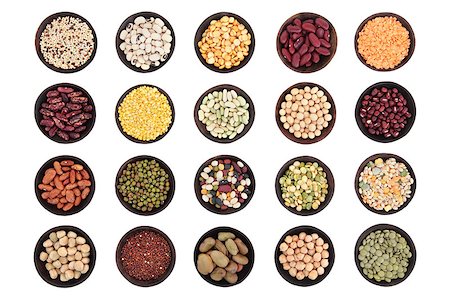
(294, 29)
(314, 39)
(296, 60)
(305, 59)
(324, 43)
(322, 23)
(323, 51)
(309, 27)
(286, 54)
(298, 22)
(320, 32)
(303, 49)
(284, 37)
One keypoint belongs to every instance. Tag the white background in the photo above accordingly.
(264, 78)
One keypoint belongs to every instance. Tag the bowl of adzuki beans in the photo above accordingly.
(385, 112)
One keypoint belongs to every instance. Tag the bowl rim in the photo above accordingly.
(39, 248)
(147, 283)
(384, 156)
(41, 28)
(250, 255)
(205, 24)
(330, 182)
(209, 206)
(309, 230)
(43, 97)
(52, 208)
(202, 127)
(122, 98)
(131, 18)
(412, 260)
(404, 23)
(171, 181)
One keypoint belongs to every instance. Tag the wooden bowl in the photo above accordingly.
(129, 136)
(169, 196)
(324, 60)
(385, 156)
(412, 260)
(202, 127)
(40, 266)
(130, 19)
(306, 281)
(325, 132)
(410, 103)
(213, 208)
(330, 182)
(250, 255)
(146, 283)
(52, 208)
(204, 25)
(43, 98)
(41, 28)
(404, 23)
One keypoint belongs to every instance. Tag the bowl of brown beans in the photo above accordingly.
(64, 185)
(306, 42)
(65, 113)
(384, 42)
(304, 255)
(385, 112)
(66, 42)
(145, 256)
(224, 42)
(64, 256)
(385, 183)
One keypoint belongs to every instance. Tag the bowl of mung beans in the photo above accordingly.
(224, 42)
(385, 183)
(385, 255)
(224, 113)
(145, 185)
(304, 185)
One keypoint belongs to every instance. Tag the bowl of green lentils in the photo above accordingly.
(145, 185)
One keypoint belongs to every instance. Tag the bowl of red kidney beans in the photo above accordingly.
(385, 112)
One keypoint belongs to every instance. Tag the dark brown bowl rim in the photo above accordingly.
(143, 283)
(40, 266)
(412, 260)
(52, 208)
(202, 28)
(171, 181)
(130, 19)
(129, 136)
(324, 133)
(330, 182)
(385, 156)
(410, 103)
(404, 23)
(38, 116)
(308, 230)
(202, 127)
(209, 206)
(250, 255)
(41, 28)
(323, 62)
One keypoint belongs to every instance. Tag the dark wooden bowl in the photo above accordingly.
(43, 98)
(330, 182)
(204, 25)
(412, 260)
(41, 28)
(142, 283)
(52, 208)
(385, 156)
(130, 19)
(40, 266)
(407, 27)
(325, 132)
(250, 255)
(409, 103)
(169, 196)
(202, 127)
(324, 60)
(129, 136)
(208, 205)
(306, 281)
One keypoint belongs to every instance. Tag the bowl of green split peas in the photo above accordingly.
(145, 185)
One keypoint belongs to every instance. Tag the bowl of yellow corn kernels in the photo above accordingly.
(145, 114)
